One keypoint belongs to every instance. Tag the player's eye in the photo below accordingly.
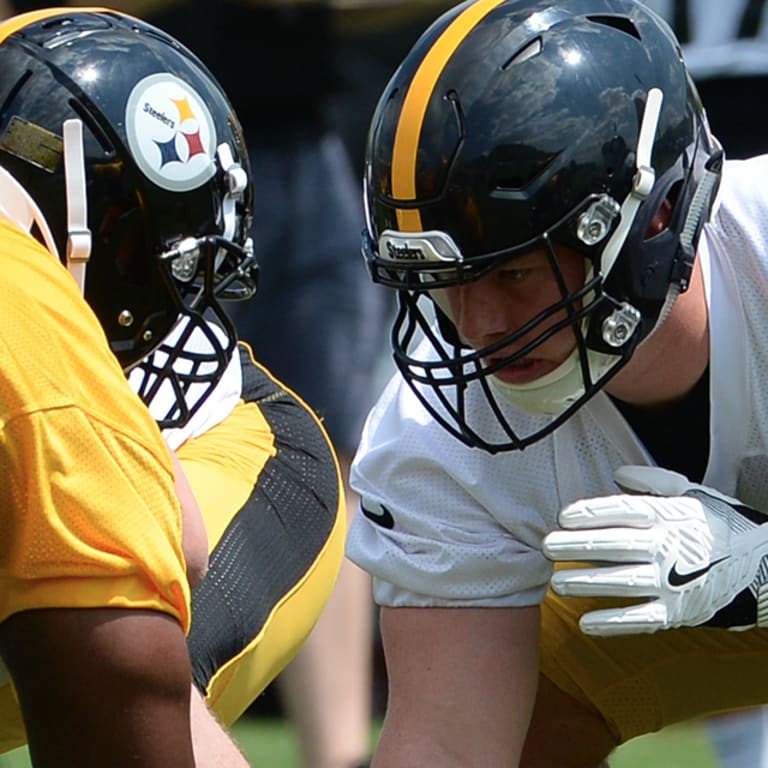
(514, 273)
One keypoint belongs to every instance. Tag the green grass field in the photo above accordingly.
(268, 743)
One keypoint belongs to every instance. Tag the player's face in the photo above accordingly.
(498, 304)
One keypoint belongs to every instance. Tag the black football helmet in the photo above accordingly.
(132, 169)
(521, 125)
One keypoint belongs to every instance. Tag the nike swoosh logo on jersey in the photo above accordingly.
(677, 579)
(383, 518)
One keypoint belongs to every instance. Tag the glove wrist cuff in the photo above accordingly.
(762, 605)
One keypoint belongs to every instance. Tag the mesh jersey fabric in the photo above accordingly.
(88, 504)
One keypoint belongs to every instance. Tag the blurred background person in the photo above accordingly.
(725, 46)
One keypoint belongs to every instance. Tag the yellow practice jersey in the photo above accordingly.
(88, 513)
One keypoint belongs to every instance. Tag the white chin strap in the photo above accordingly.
(551, 394)
(18, 207)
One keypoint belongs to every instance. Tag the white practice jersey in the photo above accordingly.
(724, 37)
(448, 525)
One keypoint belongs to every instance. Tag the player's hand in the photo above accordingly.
(701, 557)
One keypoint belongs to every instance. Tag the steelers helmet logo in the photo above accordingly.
(170, 133)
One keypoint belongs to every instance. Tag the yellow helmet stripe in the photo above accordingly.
(15, 23)
(411, 120)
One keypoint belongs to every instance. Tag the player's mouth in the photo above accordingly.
(522, 371)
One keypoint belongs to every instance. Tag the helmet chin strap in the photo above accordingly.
(18, 207)
(643, 181)
(78, 235)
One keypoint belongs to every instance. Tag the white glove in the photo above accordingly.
(701, 556)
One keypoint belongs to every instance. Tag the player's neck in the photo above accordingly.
(667, 366)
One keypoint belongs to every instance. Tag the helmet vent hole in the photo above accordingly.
(621, 23)
(54, 23)
(528, 52)
(511, 174)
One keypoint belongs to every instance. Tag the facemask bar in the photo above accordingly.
(464, 356)
(194, 356)
(184, 370)
(235, 272)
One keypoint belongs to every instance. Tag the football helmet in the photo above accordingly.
(125, 158)
(515, 126)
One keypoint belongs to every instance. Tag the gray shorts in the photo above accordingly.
(317, 321)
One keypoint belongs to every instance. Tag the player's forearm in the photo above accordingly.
(214, 747)
(101, 687)
(455, 699)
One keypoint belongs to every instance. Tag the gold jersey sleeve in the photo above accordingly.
(88, 513)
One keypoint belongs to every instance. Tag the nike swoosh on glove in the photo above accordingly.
(701, 556)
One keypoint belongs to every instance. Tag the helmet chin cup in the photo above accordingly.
(553, 394)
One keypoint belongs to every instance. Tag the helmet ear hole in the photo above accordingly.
(660, 220)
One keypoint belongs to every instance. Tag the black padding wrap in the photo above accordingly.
(273, 540)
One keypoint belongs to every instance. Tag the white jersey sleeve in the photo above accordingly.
(428, 529)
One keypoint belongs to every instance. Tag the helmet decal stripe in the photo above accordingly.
(411, 120)
(15, 23)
